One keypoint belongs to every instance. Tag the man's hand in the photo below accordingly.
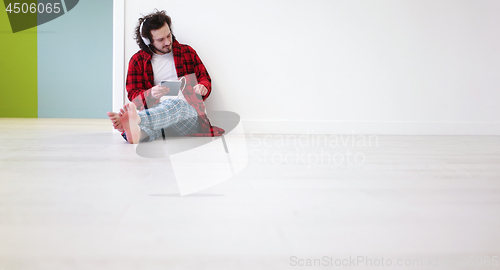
(200, 89)
(159, 91)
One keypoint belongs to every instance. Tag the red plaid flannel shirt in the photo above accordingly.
(140, 80)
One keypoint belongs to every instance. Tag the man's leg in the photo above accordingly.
(146, 125)
(170, 113)
(189, 123)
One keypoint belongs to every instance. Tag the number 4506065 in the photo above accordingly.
(34, 8)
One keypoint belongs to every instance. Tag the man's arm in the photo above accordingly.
(201, 75)
(137, 84)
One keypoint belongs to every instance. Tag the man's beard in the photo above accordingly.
(164, 50)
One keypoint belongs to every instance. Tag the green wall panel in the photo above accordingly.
(18, 70)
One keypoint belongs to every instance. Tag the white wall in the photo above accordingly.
(345, 66)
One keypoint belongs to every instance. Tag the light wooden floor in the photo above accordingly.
(74, 195)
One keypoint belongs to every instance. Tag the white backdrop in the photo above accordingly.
(344, 66)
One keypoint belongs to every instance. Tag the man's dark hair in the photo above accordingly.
(152, 21)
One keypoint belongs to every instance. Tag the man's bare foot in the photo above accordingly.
(130, 121)
(115, 120)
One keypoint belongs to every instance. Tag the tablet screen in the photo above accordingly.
(174, 86)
